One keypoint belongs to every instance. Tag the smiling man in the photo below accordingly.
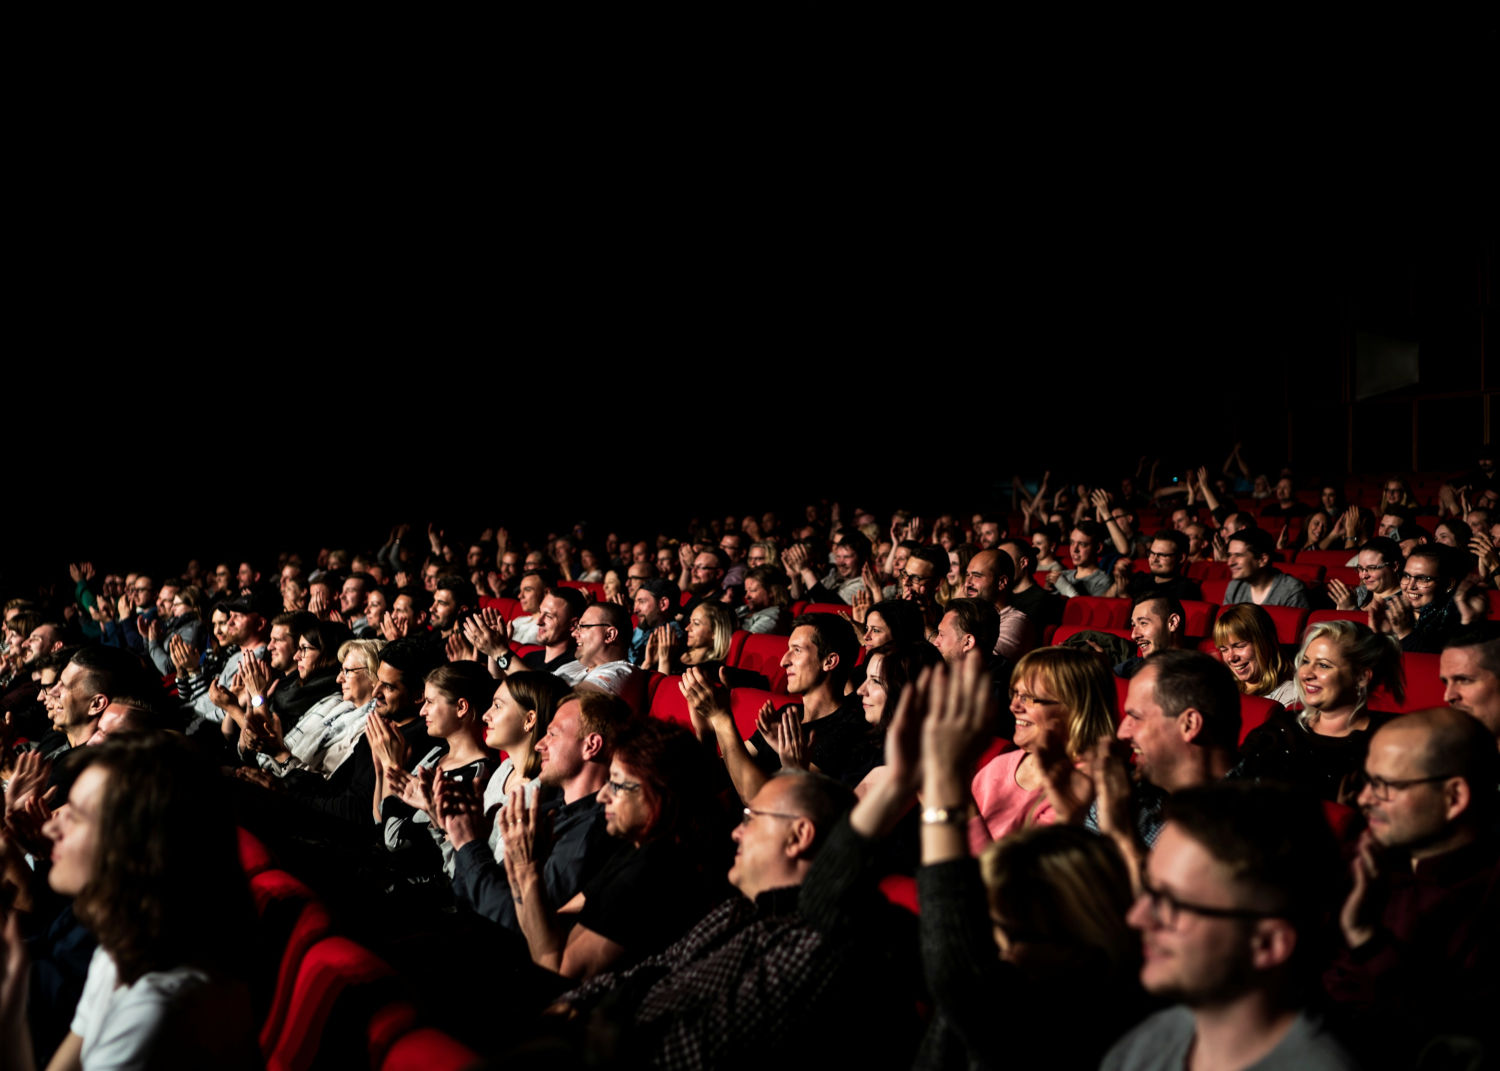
(1470, 671)
(1254, 579)
(1232, 902)
(1419, 922)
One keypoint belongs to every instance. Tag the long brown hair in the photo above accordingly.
(167, 888)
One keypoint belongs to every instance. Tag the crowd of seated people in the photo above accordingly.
(1196, 769)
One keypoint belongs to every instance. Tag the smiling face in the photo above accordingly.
(845, 562)
(873, 692)
(764, 842)
(221, 627)
(74, 832)
(594, 636)
(1038, 712)
(1420, 581)
(560, 748)
(630, 809)
(282, 647)
(533, 590)
(393, 699)
(1150, 628)
(1156, 739)
(877, 633)
(755, 594)
(355, 681)
(648, 609)
(1328, 681)
(554, 622)
(1199, 959)
(1239, 656)
(1083, 549)
(951, 641)
(1375, 573)
(804, 669)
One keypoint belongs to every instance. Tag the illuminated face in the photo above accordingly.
(1084, 549)
(755, 594)
(306, 658)
(873, 691)
(1469, 687)
(375, 607)
(1414, 815)
(554, 622)
(629, 807)
(804, 669)
(560, 748)
(356, 684)
(1375, 573)
(282, 647)
(594, 636)
(706, 572)
(444, 610)
(989, 534)
(756, 557)
(1243, 562)
(951, 641)
(1420, 582)
(700, 630)
(1149, 628)
(1155, 739)
(648, 609)
(1038, 712)
(1198, 958)
(761, 856)
(666, 563)
(507, 723)
(443, 716)
(531, 593)
(1163, 559)
(352, 598)
(1239, 656)
(1327, 679)
(74, 832)
(1317, 527)
(877, 633)
(393, 699)
(220, 622)
(845, 562)
(919, 581)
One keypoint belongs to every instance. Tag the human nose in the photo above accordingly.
(1140, 916)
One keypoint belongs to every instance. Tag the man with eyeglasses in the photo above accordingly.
(1419, 923)
(1165, 559)
(1230, 908)
(782, 974)
(600, 660)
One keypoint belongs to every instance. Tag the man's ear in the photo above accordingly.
(830, 663)
(1190, 724)
(1174, 624)
(1272, 943)
(800, 836)
(592, 746)
(1457, 797)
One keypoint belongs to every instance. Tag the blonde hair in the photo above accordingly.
(1245, 622)
(1082, 684)
(1365, 649)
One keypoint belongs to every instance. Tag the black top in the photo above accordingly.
(1042, 606)
(538, 660)
(843, 746)
(645, 898)
(1282, 750)
(1178, 587)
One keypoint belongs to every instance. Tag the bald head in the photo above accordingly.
(638, 572)
(1446, 741)
(990, 576)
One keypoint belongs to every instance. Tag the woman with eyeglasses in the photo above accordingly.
(1062, 698)
(1424, 615)
(1322, 748)
(661, 801)
(1379, 565)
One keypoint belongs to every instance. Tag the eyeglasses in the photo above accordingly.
(1033, 700)
(1372, 568)
(303, 648)
(619, 788)
(1381, 787)
(579, 625)
(1419, 581)
(910, 580)
(751, 812)
(1161, 554)
(1166, 909)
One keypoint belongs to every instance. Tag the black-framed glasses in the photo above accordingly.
(619, 788)
(1167, 909)
(751, 812)
(908, 580)
(1382, 787)
(1372, 568)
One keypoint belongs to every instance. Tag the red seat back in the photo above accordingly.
(1200, 617)
(426, 1049)
(1308, 573)
(292, 920)
(1201, 571)
(254, 856)
(1424, 688)
(762, 653)
(745, 704)
(1213, 590)
(1289, 621)
(1255, 710)
(1091, 611)
(668, 703)
(841, 609)
(339, 988)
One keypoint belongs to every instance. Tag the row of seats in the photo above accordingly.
(322, 998)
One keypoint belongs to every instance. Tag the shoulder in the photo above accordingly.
(1161, 1041)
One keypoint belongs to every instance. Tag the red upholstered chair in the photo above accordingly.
(1289, 622)
(842, 609)
(1309, 573)
(1325, 558)
(1064, 631)
(1337, 615)
(254, 856)
(1424, 688)
(901, 890)
(1201, 571)
(292, 920)
(745, 704)
(762, 653)
(1200, 617)
(1213, 589)
(426, 1049)
(340, 988)
(506, 608)
(736, 645)
(1092, 611)
(1255, 711)
(668, 703)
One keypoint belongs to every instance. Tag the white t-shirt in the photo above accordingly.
(169, 1018)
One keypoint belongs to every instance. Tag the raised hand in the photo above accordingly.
(1351, 523)
(414, 789)
(1100, 498)
(862, 603)
(254, 675)
(792, 744)
(1473, 604)
(685, 556)
(1341, 594)
(958, 726)
(459, 649)
(28, 781)
(1484, 549)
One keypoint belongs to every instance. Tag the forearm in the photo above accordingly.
(942, 841)
(538, 920)
(748, 778)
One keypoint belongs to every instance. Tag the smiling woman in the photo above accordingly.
(1062, 697)
(163, 986)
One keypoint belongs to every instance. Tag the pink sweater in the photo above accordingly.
(1004, 806)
